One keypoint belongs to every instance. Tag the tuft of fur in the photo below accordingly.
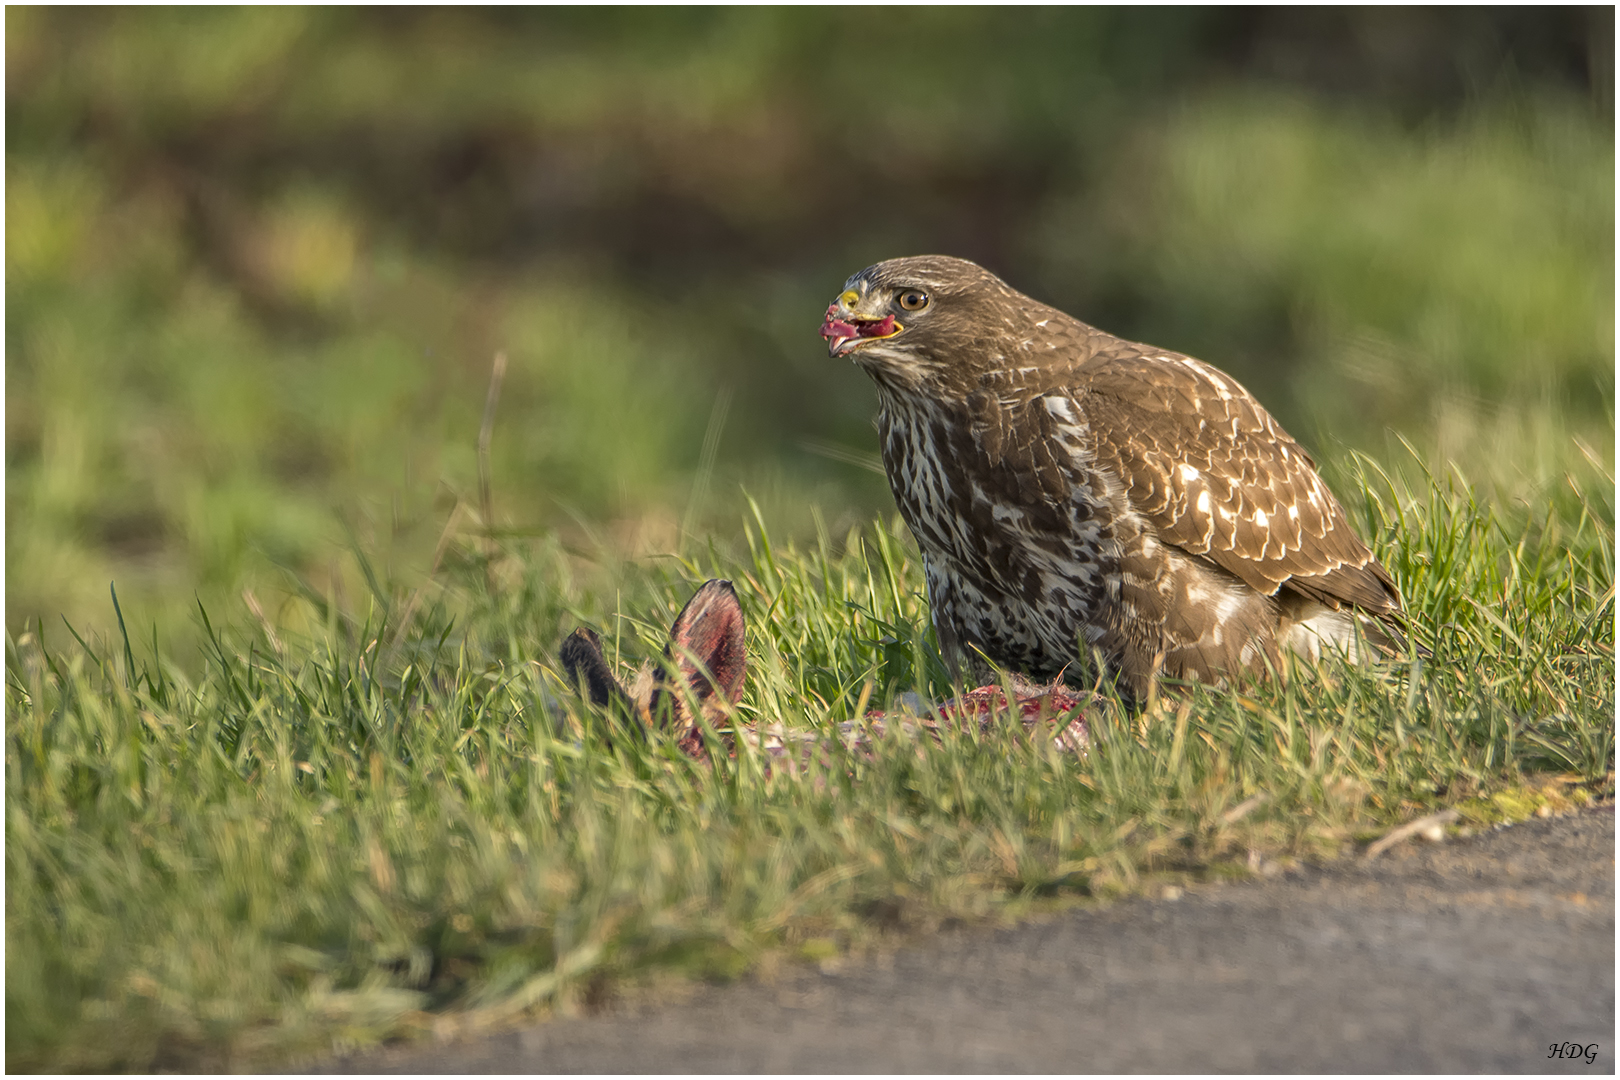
(705, 664)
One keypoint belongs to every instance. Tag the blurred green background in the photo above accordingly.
(258, 261)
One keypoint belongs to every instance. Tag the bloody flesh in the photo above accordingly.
(834, 327)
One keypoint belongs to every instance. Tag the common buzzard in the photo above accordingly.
(1072, 491)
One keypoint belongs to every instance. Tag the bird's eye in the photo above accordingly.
(913, 299)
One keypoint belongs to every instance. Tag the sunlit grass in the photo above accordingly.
(361, 830)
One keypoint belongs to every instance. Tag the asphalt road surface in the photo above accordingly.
(1476, 955)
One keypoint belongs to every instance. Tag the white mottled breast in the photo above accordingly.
(1024, 579)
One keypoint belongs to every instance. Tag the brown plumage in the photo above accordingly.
(1073, 491)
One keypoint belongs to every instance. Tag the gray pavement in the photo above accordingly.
(1465, 956)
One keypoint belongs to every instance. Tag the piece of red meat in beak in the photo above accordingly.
(844, 335)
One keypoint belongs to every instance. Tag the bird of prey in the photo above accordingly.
(1074, 493)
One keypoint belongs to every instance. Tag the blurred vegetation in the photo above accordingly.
(258, 260)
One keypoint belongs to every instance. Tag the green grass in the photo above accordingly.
(366, 829)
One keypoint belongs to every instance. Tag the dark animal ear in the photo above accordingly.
(708, 640)
(581, 655)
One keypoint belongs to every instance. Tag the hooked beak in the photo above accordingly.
(845, 331)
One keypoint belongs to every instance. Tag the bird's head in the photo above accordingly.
(923, 320)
